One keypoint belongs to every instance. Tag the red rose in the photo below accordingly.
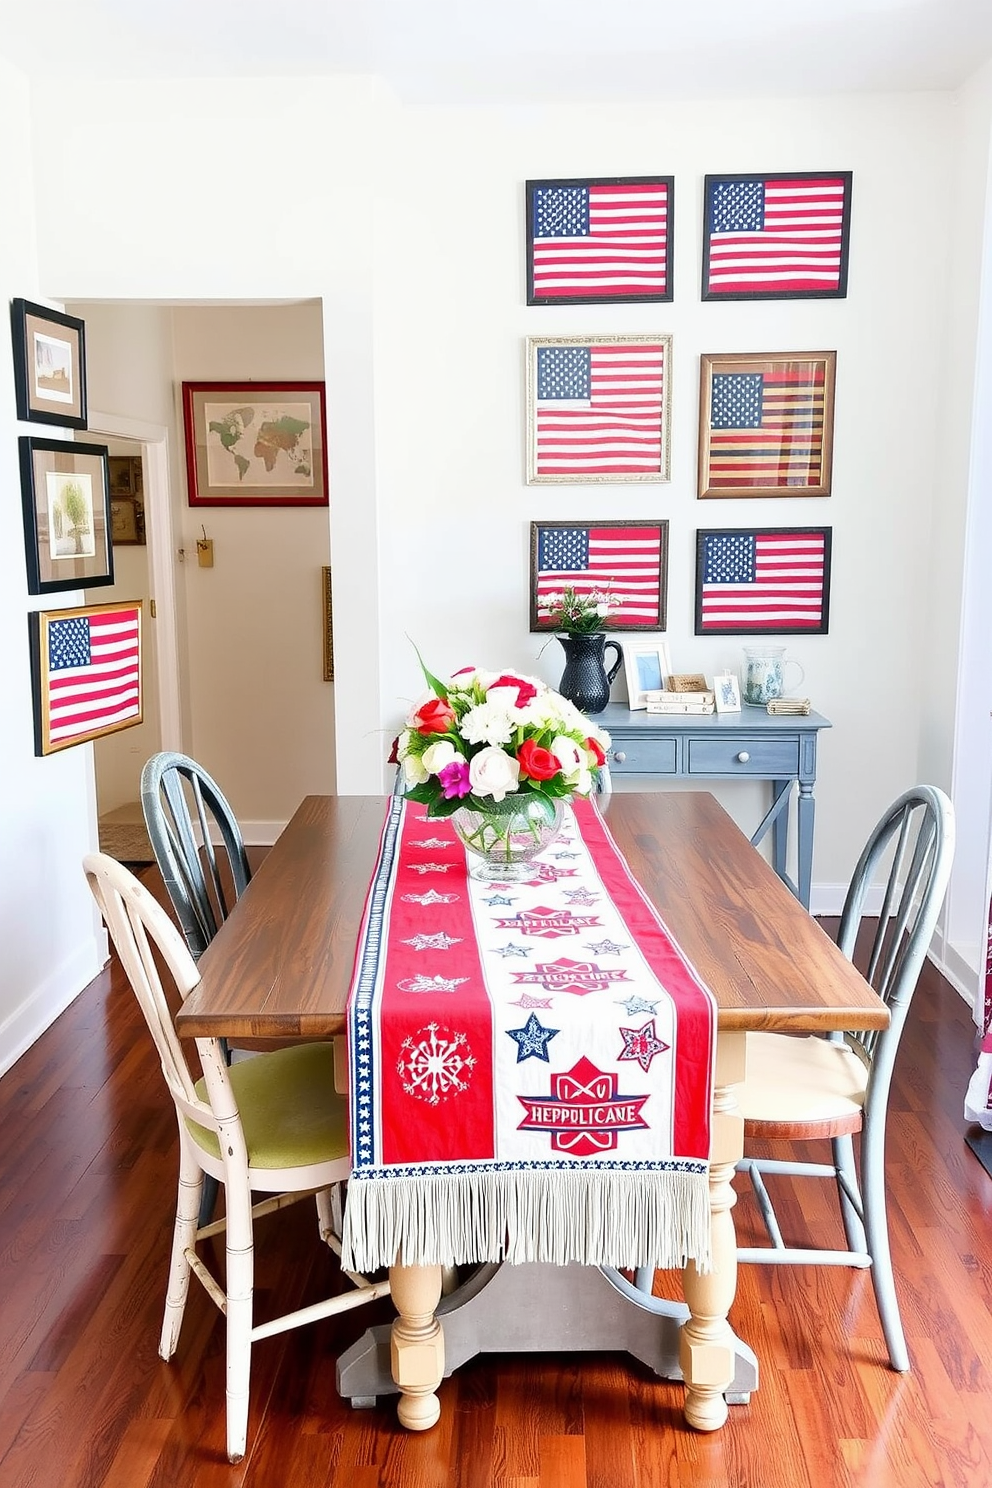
(434, 717)
(535, 762)
(596, 751)
(525, 690)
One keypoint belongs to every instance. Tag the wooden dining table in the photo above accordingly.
(281, 966)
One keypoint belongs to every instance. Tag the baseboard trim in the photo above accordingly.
(260, 833)
(38, 1011)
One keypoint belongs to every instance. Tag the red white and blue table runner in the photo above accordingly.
(530, 1064)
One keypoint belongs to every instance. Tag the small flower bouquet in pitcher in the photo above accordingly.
(498, 752)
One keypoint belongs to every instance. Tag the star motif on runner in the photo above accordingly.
(431, 897)
(430, 984)
(438, 942)
(498, 899)
(550, 923)
(607, 948)
(512, 950)
(532, 1040)
(436, 1064)
(431, 842)
(580, 896)
(637, 1005)
(566, 855)
(642, 1044)
(526, 1001)
(429, 867)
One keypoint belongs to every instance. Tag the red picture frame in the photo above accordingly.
(255, 443)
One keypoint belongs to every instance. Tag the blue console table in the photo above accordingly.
(750, 745)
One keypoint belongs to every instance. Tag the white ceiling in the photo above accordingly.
(516, 50)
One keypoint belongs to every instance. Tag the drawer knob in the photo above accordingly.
(619, 756)
(743, 757)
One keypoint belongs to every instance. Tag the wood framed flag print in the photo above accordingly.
(766, 424)
(85, 673)
(598, 408)
(602, 241)
(776, 236)
(623, 565)
(763, 581)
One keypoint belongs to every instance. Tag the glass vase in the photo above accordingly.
(503, 839)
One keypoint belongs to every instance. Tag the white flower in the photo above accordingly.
(569, 755)
(583, 782)
(413, 770)
(492, 772)
(403, 745)
(602, 609)
(487, 724)
(436, 756)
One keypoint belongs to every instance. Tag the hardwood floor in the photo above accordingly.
(87, 1186)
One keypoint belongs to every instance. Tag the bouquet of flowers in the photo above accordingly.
(578, 614)
(482, 737)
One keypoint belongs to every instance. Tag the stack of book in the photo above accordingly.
(789, 705)
(679, 702)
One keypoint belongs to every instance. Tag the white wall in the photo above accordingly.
(50, 940)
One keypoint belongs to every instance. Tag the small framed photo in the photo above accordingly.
(127, 522)
(327, 631)
(726, 693)
(646, 665)
(766, 424)
(598, 408)
(603, 241)
(776, 235)
(623, 563)
(85, 673)
(49, 365)
(67, 518)
(255, 443)
(763, 581)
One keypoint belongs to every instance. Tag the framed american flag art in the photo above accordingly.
(85, 673)
(766, 424)
(598, 408)
(776, 236)
(619, 564)
(763, 581)
(601, 241)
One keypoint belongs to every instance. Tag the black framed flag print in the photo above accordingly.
(776, 236)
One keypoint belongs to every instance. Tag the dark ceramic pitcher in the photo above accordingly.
(585, 680)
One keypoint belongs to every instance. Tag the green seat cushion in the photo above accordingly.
(289, 1110)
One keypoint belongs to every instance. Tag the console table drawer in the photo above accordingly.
(643, 757)
(772, 759)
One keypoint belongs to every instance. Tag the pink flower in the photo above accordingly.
(454, 779)
(525, 690)
(435, 717)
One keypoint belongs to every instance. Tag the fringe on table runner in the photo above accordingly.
(587, 1215)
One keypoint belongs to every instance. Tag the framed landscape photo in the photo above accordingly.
(776, 235)
(255, 443)
(49, 365)
(766, 424)
(598, 408)
(647, 666)
(602, 241)
(67, 519)
(85, 673)
(763, 581)
(626, 562)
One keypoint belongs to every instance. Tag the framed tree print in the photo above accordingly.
(763, 581)
(623, 565)
(598, 408)
(255, 443)
(766, 424)
(49, 365)
(65, 495)
(602, 241)
(776, 236)
(85, 673)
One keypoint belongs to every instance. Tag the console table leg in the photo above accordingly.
(706, 1347)
(417, 1344)
(805, 812)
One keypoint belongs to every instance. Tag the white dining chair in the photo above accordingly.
(831, 1088)
(271, 1124)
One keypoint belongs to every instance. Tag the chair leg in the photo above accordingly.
(240, 1269)
(877, 1228)
(843, 1155)
(191, 1177)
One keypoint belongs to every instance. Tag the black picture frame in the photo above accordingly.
(49, 365)
(81, 557)
(589, 204)
(771, 580)
(641, 551)
(743, 249)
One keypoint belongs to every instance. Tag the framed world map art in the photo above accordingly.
(255, 443)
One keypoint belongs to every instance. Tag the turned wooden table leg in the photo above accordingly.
(706, 1346)
(417, 1344)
